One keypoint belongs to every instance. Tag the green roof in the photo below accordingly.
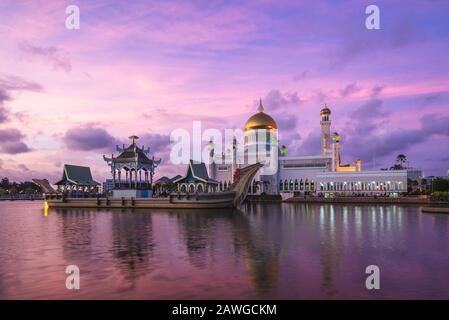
(76, 175)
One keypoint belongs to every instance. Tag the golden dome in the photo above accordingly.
(260, 120)
(325, 110)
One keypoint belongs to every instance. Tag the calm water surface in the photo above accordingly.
(274, 251)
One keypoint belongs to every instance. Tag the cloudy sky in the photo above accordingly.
(149, 67)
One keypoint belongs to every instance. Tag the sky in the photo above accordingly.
(150, 67)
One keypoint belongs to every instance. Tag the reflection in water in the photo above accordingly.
(197, 231)
(261, 251)
(200, 230)
(132, 242)
(330, 248)
(75, 227)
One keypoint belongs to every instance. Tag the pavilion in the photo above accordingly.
(131, 162)
(77, 180)
(196, 179)
(164, 184)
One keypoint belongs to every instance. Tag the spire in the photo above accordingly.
(133, 138)
(260, 108)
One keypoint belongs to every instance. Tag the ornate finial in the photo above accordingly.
(260, 108)
(211, 145)
(336, 137)
(133, 138)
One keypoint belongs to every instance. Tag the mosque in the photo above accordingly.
(291, 175)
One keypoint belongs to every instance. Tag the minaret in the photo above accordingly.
(336, 155)
(325, 131)
(211, 164)
(234, 158)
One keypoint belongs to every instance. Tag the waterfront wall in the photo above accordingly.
(368, 200)
(264, 198)
(21, 197)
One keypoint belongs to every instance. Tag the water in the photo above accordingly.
(270, 251)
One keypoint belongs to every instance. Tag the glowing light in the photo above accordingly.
(45, 208)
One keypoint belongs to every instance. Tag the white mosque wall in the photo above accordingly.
(364, 182)
(223, 173)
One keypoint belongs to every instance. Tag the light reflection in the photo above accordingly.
(45, 209)
(381, 219)
(322, 215)
(373, 225)
(358, 225)
(389, 214)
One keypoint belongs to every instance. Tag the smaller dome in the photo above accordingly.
(325, 111)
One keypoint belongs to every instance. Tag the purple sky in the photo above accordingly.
(149, 67)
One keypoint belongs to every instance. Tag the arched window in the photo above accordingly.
(200, 188)
(291, 185)
(296, 185)
(306, 185)
(312, 185)
(183, 188)
(192, 188)
(285, 185)
(301, 185)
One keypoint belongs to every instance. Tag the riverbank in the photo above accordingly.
(444, 210)
(368, 200)
(264, 198)
(21, 197)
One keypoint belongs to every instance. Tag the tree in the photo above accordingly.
(440, 185)
(401, 159)
(400, 162)
(397, 166)
(5, 183)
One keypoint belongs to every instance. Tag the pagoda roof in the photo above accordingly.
(132, 154)
(76, 175)
(163, 180)
(176, 177)
(197, 171)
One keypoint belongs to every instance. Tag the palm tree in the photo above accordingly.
(401, 159)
